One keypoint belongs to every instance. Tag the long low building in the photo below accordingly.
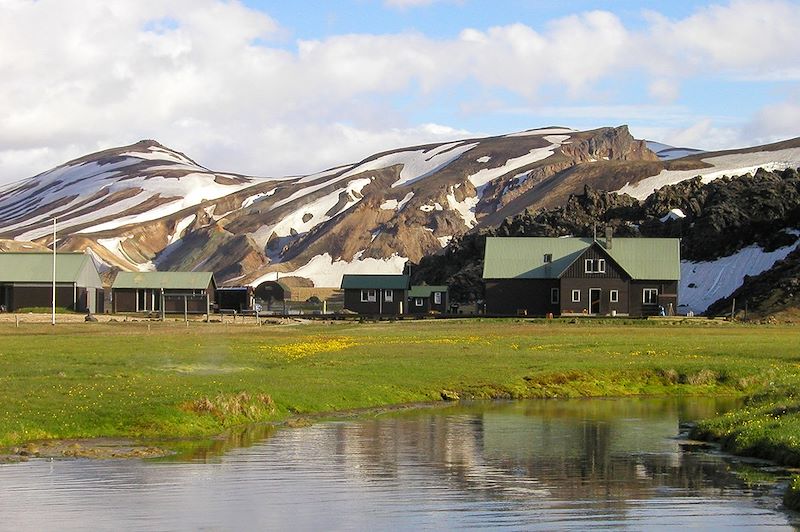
(26, 281)
(175, 292)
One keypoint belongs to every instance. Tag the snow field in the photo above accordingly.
(326, 272)
(716, 279)
(730, 165)
(485, 176)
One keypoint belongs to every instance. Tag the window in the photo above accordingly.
(437, 298)
(613, 296)
(418, 301)
(369, 296)
(595, 266)
(554, 296)
(650, 296)
(388, 296)
(576, 296)
(548, 257)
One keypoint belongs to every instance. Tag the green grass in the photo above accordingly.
(44, 310)
(162, 380)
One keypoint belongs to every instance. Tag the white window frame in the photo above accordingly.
(548, 258)
(576, 296)
(437, 298)
(613, 296)
(388, 296)
(369, 295)
(653, 296)
(419, 302)
(555, 295)
(594, 266)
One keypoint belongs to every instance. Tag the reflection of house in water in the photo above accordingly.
(551, 452)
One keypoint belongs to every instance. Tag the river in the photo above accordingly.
(546, 464)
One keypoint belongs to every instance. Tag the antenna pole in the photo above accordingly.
(53, 318)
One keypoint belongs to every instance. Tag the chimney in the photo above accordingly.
(609, 236)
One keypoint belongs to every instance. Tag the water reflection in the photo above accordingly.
(526, 465)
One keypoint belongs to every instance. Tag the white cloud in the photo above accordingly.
(663, 90)
(220, 82)
(776, 121)
(405, 4)
(741, 37)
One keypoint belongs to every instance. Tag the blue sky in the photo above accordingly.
(273, 88)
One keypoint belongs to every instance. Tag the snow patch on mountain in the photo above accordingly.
(416, 164)
(674, 214)
(465, 208)
(180, 227)
(189, 190)
(326, 272)
(306, 217)
(666, 152)
(250, 200)
(326, 173)
(486, 175)
(543, 131)
(114, 246)
(703, 283)
(157, 153)
(430, 208)
(730, 165)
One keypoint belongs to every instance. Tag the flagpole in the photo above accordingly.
(54, 272)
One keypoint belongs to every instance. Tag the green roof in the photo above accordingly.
(523, 257)
(166, 280)
(425, 290)
(387, 282)
(32, 267)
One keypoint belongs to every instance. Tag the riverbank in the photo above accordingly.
(768, 427)
(155, 380)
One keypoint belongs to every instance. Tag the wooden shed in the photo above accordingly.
(375, 294)
(423, 299)
(175, 292)
(26, 280)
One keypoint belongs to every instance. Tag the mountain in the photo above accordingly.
(145, 206)
(735, 232)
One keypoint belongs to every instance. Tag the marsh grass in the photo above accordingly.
(791, 499)
(233, 409)
(160, 380)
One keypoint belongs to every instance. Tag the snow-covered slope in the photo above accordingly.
(127, 186)
(703, 283)
(730, 164)
(666, 152)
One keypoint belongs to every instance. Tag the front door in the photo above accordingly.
(594, 301)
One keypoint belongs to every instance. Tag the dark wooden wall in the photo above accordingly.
(352, 301)
(511, 297)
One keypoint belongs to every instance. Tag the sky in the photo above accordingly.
(273, 88)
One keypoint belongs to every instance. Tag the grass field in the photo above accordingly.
(166, 379)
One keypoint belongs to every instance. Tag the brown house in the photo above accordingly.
(26, 280)
(174, 292)
(564, 276)
(375, 294)
(423, 299)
